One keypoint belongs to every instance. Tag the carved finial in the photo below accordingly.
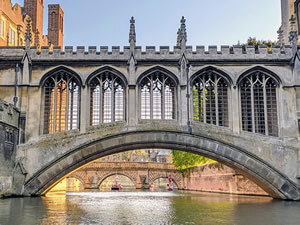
(132, 35)
(28, 33)
(178, 37)
(293, 23)
(293, 36)
(280, 37)
(181, 34)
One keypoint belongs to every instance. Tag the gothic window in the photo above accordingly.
(210, 99)
(107, 99)
(62, 102)
(259, 104)
(157, 97)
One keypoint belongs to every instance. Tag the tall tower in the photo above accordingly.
(55, 24)
(35, 9)
(287, 10)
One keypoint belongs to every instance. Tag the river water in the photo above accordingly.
(148, 208)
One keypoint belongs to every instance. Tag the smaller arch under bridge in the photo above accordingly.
(142, 174)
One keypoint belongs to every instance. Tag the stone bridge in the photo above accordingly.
(141, 174)
(237, 105)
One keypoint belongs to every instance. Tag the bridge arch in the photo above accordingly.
(78, 177)
(256, 169)
(107, 175)
(177, 181)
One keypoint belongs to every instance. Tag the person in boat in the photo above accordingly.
(167, 187)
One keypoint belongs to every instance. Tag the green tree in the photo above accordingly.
(185, 160)
(256, 43)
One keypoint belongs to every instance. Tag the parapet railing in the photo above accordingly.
(151, 52)
(130, 165)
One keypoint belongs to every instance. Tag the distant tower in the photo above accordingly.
(35, 9)
(55, 24)
(287, 10)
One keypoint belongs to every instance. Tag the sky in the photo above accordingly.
(209, 22)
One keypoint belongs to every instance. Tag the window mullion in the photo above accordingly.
(55, 107)
(101, 102)
(204, 102)
(252, 106)
(67, 108)
(112, 101)
(151, 98)
(163, 100)
(265, 106)
(216, 102)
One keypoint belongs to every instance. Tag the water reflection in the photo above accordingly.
(147, 208)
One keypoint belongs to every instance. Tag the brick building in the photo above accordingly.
(14, 18)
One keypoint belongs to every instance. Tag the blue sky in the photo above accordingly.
(209, 22)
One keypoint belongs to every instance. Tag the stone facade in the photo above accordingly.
(10, 173)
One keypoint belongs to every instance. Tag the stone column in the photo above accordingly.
(287, 113)
(183, 91)
(131, 101)
(84, 109)
(234, 111)
(131, 105)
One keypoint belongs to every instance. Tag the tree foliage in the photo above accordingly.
(256, 43)
(185, 160)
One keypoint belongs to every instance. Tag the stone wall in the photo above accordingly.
(219, 178)
(11, 178)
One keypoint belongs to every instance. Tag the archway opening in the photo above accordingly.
(117, 182)
(68, 184)
(163, 184)
(158, 170)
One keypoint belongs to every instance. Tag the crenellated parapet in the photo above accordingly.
(225, 53)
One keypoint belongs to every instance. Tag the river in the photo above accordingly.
(148, 208)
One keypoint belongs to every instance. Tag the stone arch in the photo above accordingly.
(109, 174)
(263, 69)
(277, 184)
(155, 69)
(78, 177)
(219, 71)
(69, 70)
(175, 178)
(109, 69)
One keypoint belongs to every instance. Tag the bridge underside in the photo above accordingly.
(261, 172)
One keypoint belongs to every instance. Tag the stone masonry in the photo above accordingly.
(272, 162)
(11, 174)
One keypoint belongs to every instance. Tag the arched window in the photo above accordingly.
(107, 99)
(259, 104)
(62, 102)
(210, 99)
(157, 97)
